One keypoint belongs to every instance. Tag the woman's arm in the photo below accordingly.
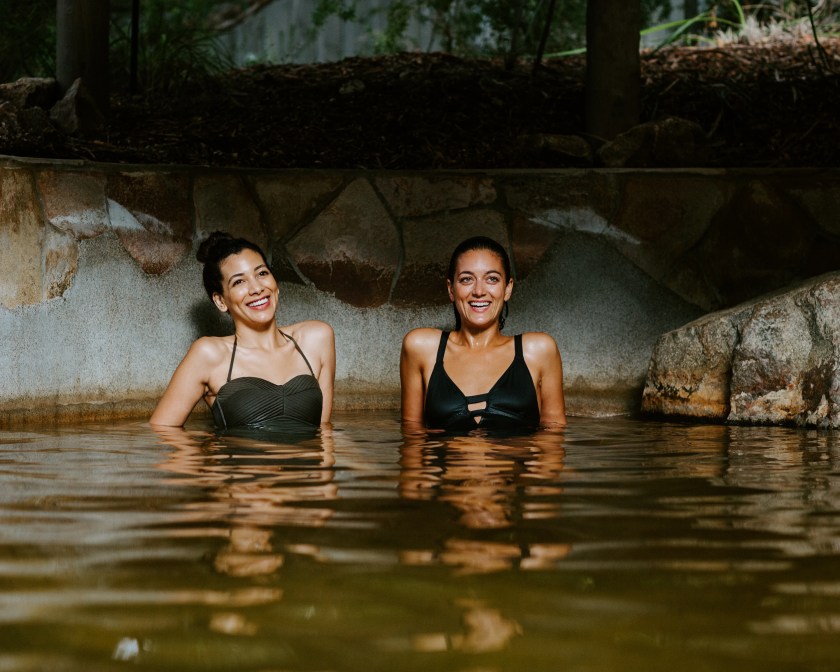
(186, 387)
(543, 356)
(322, 338)
(414, 358)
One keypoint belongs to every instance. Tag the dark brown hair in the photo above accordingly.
(217, 247)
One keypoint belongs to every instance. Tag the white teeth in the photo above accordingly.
(479, 304)
(261, 302)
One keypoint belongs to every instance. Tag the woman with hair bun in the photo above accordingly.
(262, 377)
(475, 376)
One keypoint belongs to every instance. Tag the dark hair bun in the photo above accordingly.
(205, 250)
(213, 250)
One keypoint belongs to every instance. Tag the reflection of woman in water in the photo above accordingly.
(476, 376)
(262, 377)
(493, 483)
(255, 487)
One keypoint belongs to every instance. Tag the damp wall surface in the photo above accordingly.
(101, 295)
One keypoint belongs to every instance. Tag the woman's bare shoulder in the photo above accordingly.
(210, 350)
(538, 344)
(310, 330)
(421, 339)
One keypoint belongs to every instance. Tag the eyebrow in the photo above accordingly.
(237, 275)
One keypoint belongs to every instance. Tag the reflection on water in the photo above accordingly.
(614, 544)
(488, 481)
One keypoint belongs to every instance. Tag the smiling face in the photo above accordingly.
(479, 287)
(249, 290)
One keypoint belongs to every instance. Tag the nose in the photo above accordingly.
(254, 287)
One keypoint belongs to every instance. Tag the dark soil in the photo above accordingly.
(773, 105)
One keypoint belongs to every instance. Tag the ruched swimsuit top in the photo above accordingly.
(254, 403)
(511, 403)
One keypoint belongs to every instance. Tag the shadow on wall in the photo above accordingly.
(207, 320)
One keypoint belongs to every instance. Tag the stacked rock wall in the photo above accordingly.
(101, 294)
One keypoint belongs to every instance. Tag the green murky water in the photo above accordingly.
(617, 545)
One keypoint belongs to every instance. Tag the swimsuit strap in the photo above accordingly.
(444, 337)
(474, 399)
(232, 355)
(297, 347)
(517, 346)
(288, 338)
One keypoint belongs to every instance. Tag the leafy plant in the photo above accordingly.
(177, 44)
(27, 39)
(726, 21)
(508, 29)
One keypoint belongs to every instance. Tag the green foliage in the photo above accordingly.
(513, 28)
(27, 39)
(343, 9)
(398, 17)
(178, 44)
(458, 25)
(509, 28)
(723, 21)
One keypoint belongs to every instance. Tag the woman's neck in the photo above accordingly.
(266, 337)
(479, 338)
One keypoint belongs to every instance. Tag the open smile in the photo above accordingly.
(259, 303)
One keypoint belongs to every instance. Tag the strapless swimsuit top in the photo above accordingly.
(510, 404)
(254, 403)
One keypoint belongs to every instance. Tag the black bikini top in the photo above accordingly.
(510, 404)
(254, 403)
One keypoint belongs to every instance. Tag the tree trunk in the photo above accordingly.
(82, 46)
(613, 66)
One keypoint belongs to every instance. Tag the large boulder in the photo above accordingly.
(771, 360)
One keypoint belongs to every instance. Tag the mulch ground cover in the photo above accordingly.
(770, 105)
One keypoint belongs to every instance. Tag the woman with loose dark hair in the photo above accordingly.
(262, 377)
(475, 376)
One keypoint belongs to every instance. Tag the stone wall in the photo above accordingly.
(101, 294)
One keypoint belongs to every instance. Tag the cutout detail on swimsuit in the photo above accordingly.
(511, 403)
